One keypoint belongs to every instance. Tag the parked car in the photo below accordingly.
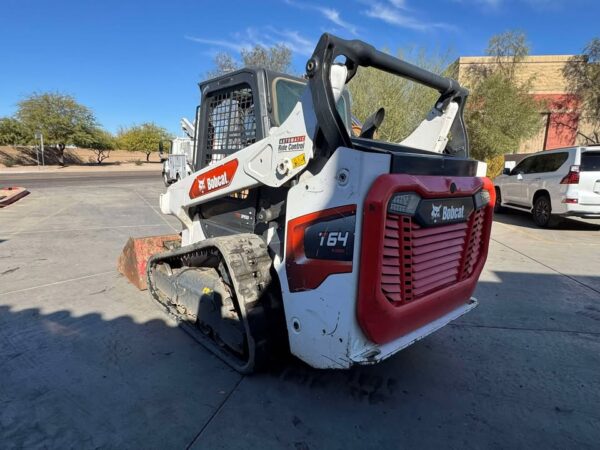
(553, 184)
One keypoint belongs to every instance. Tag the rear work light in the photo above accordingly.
(482, 198)
(572, 177)
(404, 203)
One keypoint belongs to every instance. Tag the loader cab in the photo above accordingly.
(239, 108)
(236, 110)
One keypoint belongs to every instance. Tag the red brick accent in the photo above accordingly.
(563, 119)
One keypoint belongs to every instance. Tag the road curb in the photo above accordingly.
(9, 195)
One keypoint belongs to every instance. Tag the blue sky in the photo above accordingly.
(138, 61)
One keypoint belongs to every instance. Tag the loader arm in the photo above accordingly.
(430, 135)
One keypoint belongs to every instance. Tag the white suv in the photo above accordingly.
(553, 183)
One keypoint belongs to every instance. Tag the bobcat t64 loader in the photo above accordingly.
(295, 233)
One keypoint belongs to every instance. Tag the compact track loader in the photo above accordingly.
(297, 234)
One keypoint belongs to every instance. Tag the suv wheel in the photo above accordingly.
(498, 209)
(542, 212)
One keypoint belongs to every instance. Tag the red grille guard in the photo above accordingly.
(412, 275)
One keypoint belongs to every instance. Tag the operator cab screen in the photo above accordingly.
(288, 92)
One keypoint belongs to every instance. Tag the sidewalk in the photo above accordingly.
(125, 167)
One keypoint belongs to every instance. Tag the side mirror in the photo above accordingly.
(506, 171)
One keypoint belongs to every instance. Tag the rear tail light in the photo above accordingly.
(319, 244)
(571, 200)
(572, 177)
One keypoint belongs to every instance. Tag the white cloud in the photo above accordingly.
(231, 45)
(492, 3)
(265, 37)
(534, 4)
(400, 4)
(293, 40)
(389, 13)
(330, 14)
(334, 16)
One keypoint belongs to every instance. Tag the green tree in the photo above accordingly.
(142, 138)
(13, 132)
(500, 113)
(59, 117)
(406, 103)
(101, 143)
(583, 80)
(506, 49)
(277, 58)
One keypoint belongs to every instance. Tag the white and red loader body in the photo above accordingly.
(378, 246)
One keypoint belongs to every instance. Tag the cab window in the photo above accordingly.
(287, 94)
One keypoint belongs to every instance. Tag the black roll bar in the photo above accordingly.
(358, 53)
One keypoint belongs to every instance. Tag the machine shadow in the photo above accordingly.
(56, 365)
(512, 303)
(87, 382)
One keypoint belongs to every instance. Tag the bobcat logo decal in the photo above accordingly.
(435, 212)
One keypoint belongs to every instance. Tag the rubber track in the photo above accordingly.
(248, 263)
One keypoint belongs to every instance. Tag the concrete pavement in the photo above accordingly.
(87, 361)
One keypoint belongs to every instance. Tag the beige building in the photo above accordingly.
(560, 118)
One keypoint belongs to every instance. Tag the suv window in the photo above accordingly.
(590, 162)
(541, 163)
(523, 166)
(537, 165)
(548, 163)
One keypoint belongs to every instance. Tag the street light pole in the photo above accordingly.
(38, 135)
(42, 146)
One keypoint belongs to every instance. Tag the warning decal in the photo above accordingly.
(291, 144)
(298, 161)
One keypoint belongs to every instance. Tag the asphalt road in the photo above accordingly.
(45, 180)
(87, 361)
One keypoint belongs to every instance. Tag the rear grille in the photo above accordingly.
(417, 260)
(474, 249)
